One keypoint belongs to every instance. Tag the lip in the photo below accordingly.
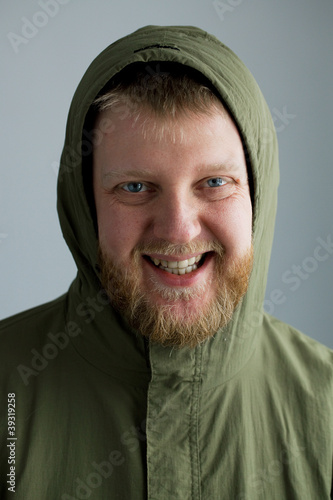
(183, 280)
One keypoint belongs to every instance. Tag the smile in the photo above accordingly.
(179, 267)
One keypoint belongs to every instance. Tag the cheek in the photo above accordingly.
(232, 225)
(119, 231)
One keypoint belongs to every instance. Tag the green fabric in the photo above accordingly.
(101, 414)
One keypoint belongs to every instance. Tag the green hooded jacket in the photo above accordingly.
(97, 412)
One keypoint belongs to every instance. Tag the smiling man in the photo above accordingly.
(158, 374)
(175, 191)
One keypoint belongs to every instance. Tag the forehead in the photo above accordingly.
(207, 139)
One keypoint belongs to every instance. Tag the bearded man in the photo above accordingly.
(158, 375)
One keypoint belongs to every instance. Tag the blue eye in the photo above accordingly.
(216, 182)
(135, 187)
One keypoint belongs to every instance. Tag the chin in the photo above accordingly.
(174, 315)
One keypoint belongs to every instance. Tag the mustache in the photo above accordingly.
(166, 248)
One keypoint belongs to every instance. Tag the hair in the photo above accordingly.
(163, 89)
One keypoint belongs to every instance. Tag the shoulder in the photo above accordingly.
(32, 340)
(28, 330)
(34, 320)
(297, 356)
(296, 343)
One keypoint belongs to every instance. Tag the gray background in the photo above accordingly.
(288, 47)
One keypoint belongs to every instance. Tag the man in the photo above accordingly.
(158, 375)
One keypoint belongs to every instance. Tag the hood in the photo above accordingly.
(105, 340)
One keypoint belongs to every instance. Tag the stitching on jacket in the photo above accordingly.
(194, 428)
(156, 46)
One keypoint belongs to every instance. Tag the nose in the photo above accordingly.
(176, 219)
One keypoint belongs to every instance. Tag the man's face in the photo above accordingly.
(175, 222)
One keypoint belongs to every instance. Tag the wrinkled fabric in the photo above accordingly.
(102, 413)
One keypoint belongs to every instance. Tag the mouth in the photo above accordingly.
(178, 267)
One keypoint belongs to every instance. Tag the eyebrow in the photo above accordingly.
(127, 173)
(227, 166)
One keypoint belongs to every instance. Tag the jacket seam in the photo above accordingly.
(194, 427)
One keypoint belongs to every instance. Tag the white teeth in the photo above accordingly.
(188, 269)
(178, 266)
(182, 264)
(173, 264)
